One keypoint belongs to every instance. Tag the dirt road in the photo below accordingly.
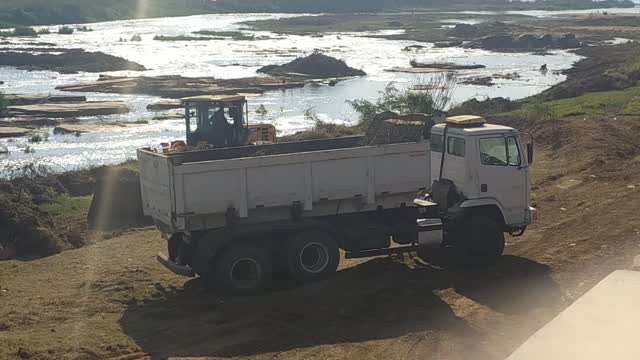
(111, 300)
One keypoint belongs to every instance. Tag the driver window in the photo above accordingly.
(513, 152)
(493, 151)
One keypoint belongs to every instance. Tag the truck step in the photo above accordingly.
(379, 252)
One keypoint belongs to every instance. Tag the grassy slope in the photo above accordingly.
(623, 102)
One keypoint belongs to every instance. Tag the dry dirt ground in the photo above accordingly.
(112, 300)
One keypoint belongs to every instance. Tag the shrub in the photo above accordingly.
(35, 138)
(426, 96)
(24, 31)
(65, 30)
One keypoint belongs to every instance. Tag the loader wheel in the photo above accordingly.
(312, 255)
(481, 242)
(243, 269)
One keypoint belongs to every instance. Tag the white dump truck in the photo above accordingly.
(233, 215)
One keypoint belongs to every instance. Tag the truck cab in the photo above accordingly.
(488, 165)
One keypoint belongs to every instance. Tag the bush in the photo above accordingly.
(35, 138)
(65, 30)
(24, 31)
(425, 97)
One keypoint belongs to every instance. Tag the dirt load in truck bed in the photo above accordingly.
(112, 300)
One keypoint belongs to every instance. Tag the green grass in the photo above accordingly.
(622, 102)
(619, 102)
(63, 205)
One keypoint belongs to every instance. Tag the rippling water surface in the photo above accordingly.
(232, 59)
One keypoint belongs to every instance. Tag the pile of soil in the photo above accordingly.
(483, 107)
(28, 231)
(464, 31)
(391, 128)
(315, 65)
(68, 62)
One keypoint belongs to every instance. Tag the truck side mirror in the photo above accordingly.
(530, 153)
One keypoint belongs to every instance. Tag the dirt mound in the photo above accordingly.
(25, 229)
(482, 107)
(390, 128)
(464, 31)
(117, 200)
(315, 65)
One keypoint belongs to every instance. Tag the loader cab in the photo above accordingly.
(216, 121)
(488, 164)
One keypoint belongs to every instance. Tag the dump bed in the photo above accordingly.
(202, 190)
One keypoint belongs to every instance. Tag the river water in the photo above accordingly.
(232, 59)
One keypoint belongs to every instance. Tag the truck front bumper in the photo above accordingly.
(183, 270)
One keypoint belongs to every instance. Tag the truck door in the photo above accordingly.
(503, 175)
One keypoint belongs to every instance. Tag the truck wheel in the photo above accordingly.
(243, 269)
(312, 255)
(482, 240)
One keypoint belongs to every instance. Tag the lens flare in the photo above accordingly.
(142, 9)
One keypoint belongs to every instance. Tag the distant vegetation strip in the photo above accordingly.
(42, 12)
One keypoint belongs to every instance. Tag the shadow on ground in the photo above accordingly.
(380, 299)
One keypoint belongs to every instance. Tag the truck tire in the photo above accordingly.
(243, 269)
(312, 255)
(482, 241)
